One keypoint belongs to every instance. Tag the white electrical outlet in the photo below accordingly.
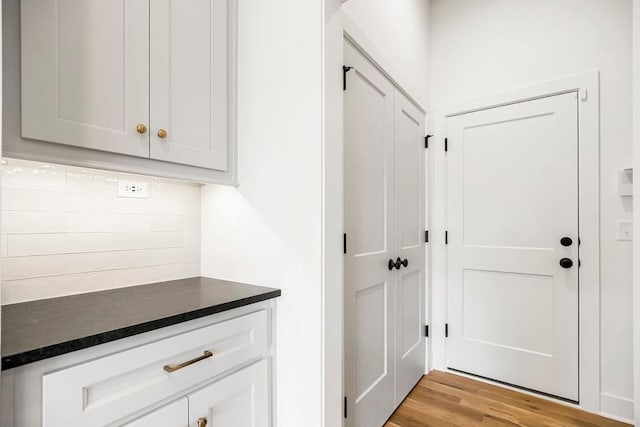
(625, 230)
(133, 189)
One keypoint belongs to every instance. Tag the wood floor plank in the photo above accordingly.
(446, 400)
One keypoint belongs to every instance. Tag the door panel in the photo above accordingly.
(409, 245)
(240, 399)
(174, 414)
(85, 73)
(513, 194)
(189, 82)
(369, 198)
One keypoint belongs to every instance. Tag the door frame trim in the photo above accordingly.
(587, 85)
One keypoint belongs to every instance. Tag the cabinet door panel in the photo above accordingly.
(175, 414)
(85, 73)
(239, 400)
(189, 82)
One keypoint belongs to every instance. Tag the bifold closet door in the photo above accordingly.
(385, 258)
(409, 245)
(369, 225)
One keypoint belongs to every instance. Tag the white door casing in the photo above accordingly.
(85, 74)
(513, 195)
(369, 225)
(189, 96)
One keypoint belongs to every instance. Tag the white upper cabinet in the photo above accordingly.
(189, 82)
(143, 78)
(85, 73)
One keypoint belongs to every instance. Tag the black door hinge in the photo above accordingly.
(345, 70)
(446, 145)
(345, 407)
(446, 330)
(344, 243)
(426, 236)
(446, 237)
(426, 141)
(426, 331)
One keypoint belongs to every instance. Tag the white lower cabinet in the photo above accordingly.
(212, 371)
(174, 414)
(239, 400)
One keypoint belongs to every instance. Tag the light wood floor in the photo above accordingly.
(446, 400)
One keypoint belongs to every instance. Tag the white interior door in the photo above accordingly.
(513, 197)
(85, 73)
(189, 82)
(409, 245)
(369, 225)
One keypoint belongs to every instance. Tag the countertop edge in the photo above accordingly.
(36, 355)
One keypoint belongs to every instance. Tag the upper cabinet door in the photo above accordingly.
(85, 73)
(189, 76)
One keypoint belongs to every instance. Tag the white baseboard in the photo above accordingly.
(616, 407)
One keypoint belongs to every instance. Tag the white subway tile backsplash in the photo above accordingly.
(16, 222)
(146, 240)
(45, 178)
(65, 231)
(123, 205)
(53, 286)
(88, 182)
(62, 243)
(175, 255)
(87, 202)
(129, 223)
(192, 238)
(3, 245)
(26, 199)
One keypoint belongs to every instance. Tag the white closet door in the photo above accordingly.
(369, 225)
(85, 73)
(513, 197)
(189, 82)
(409, 245)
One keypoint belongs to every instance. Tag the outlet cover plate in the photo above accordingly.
(625, 231)
(133, 189)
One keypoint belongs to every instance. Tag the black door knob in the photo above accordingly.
(392, 264)
(566, 241)
(566, 263)
(404, 262)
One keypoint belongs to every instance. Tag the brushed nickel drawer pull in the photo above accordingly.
(173, 368)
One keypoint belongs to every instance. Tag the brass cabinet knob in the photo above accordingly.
(142, 129)
(162, 133)
(202, 422)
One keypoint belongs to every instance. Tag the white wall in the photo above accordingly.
(400, 31)
(65, 231)
(479, 48)
(269, 230)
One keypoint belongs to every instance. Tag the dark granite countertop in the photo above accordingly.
(37, 330)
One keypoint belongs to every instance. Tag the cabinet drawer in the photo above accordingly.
(104, 390)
